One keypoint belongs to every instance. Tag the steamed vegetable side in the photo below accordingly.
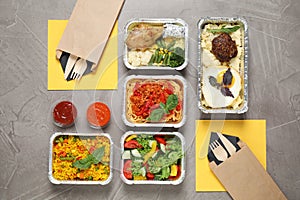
(151, 157)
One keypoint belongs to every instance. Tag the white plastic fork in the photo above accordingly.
(219, 152)
(70, 64)
(79, 69)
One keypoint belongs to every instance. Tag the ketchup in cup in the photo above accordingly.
(64, 114)
(98, 115)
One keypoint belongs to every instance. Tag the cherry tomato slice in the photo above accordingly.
(132, 144)
(126, 170)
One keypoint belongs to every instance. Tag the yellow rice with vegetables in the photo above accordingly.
(81, 158)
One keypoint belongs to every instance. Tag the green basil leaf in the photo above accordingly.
(83, 164)
(224, 30)
(93, 158)
(172, 102)
(98, 154)
(156, 115)
(163, 106)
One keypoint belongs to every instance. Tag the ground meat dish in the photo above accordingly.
(224, 48)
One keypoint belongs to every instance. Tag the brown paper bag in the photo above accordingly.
(245, 178)
(89, 28)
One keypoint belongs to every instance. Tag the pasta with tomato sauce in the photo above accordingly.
(145, 96)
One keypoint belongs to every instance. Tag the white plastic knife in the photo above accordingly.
(228, 145)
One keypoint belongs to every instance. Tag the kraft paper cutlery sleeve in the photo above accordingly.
(243, 176)
(88, 30)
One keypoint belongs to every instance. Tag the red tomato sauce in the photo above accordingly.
(98, 115)
(64, 114)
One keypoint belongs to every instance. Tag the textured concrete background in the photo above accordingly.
(25, 103)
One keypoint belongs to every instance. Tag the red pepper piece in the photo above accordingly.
(160, 140)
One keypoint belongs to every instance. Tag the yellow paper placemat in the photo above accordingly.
(104, 78)
(252, 132)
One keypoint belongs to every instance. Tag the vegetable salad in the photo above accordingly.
(152, 157)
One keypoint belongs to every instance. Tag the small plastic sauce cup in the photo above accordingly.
(98, 115)
(64, 114)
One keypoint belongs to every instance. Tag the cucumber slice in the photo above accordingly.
(163, 148)
(136, 153)
(143, 171)
(126, 155)
(154, 155)
(138, 160)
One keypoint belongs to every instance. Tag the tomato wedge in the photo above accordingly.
(126, 170)
(132, 144)
(160, 140)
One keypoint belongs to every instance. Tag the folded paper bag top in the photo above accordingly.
(89, 28)
(243, 176)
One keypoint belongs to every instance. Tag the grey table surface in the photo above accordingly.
(25, 102)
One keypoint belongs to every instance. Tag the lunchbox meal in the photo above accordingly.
(156, 43)
(64, 114)
(78, 158)
(156, 101)
(222, 63)
(152, 158)
(98, 115)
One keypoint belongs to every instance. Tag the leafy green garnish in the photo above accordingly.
(174, 145)
(172, 102)
(144, 141)
(157, 114)
(165, 173)
(171, 156)
(224, 30)
(176, 59)
(98, 154)
(94, 158)
(136, 168)
(60, 139)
